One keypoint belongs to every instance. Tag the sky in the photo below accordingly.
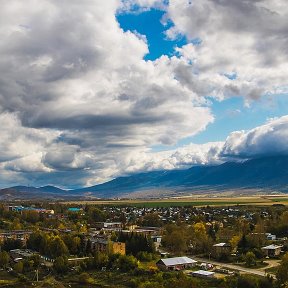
(91, 90)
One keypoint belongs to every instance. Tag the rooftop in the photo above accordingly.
(203, 273)
(222, 245)
(272, 247)
(178, 261)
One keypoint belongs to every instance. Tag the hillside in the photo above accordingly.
(265, 174)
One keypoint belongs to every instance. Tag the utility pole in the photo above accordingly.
(37, 275)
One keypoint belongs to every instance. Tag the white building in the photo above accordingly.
(176, 263)
(203, 274)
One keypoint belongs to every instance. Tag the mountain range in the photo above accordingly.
(264, 175)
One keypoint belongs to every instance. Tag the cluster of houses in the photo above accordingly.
(20, 209)
(170, 214)
(22, 235)
(271, 250)
(99, 236)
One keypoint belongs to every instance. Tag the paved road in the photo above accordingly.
(258, 272)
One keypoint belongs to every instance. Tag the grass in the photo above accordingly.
(187, 203)
(258, 265)
(271, 270)
(6, 281)
(191, 201)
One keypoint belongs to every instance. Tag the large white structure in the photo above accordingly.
(176, 263)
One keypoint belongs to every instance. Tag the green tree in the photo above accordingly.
(152, 220)
(57, 247)
(174, 238)
(34, 241)
(4, 259)
(60, 264)
(30, 216)
(16, 225)
(18, 267)
(36, 259)
(95, 214)
(10, 244)
(126, 263)
(85, 278)
(250, 259)
(100, 260)
(282, 272)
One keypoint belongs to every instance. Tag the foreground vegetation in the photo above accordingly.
(64, 240)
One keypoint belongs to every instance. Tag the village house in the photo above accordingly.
(21, 209)
(221, 249)
(157, 241)
(21, 254)
(21, 235)
(270, 236)
(176, 263)
(102, 243)
(272, 250)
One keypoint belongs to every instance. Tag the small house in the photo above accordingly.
(270, 236)
(272, 250)
(221, 249)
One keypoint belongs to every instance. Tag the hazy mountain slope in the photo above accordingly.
(270, 173)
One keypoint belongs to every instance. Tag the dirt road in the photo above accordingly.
(257, 271)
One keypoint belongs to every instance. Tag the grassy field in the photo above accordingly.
(191, 201)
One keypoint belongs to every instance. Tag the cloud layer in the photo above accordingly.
(79, 104)
(240, 40)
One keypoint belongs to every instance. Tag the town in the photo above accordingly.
(138, 246)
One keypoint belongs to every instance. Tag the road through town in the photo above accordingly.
(255, 271)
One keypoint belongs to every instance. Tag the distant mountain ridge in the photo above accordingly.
(267, 174)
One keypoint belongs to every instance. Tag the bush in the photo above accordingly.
(22, 278)
(61, 264)
(145, 256)
(85, 278)
(250, 259)
(126, 263)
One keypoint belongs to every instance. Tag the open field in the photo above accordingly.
(265, 200)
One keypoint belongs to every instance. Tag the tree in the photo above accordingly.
(73, 243)
(199, 237)
(234, 241)
(243, 244)
(18, 267)
(36, 259)
(127, 263)
(97, 215)
(57, 247)
(60, 264)
(100, 260)
(175, 242)
(250, 259)
(152, 220)
(30, 216)
(16, 225)
(10, 244)
(282, 272)
(246, 281)
(4, 259)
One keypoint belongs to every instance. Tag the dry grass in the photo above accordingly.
(264, 200)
